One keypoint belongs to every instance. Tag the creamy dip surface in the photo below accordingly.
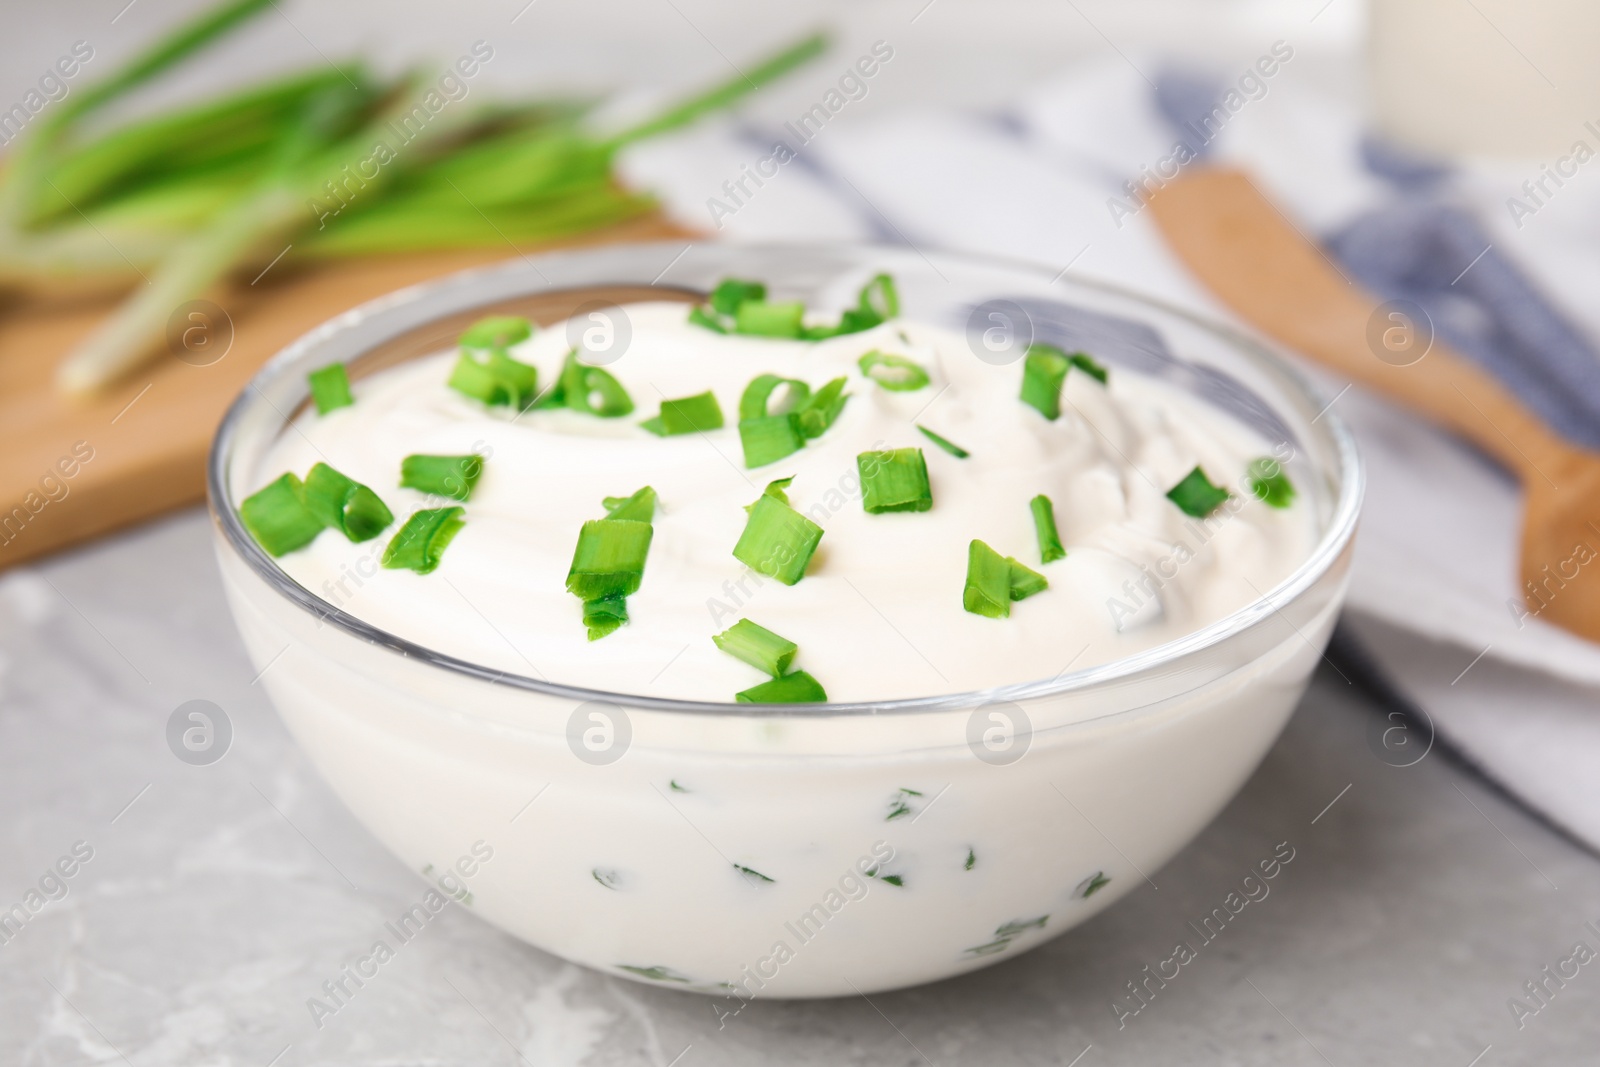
(879, 613)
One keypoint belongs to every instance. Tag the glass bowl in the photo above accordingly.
(750, 851)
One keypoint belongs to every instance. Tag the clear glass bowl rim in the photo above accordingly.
(1338, 534)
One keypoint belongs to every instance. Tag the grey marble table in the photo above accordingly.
(218, 898)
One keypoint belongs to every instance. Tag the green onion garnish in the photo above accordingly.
(988, 588)
(609, 559)
(897, 374)
(730, 293)
(822, 407)
(555, 396)
(796, 688)
(1024, 581)
(777, 540)
(701, 317)
(896, 480)
(879, 301)
(944, 443)
(762, 319)
(880, 298)
(641, 506)
(330, 388)
(721, 308)
(692, 414)
(1268, 482)
(344, 504)
(742, 307)
(756, 400)
(421, 541)
(767, 435)
(1089, 367)
(593, 390)
(278, 518)
(604, 616)
(1196, 496)
(497, 331)
(757, 646)
(1044, 525)
(775, 489)
(451, 476)
(770, 438)
(495, 378)
(1044, 369)
(751, 873)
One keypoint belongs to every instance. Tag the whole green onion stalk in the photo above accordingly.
(170, 205)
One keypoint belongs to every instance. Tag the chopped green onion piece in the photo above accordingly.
(641, 506)
(879, 301)
(700, 317)
(1196, 496)
(730, 293)
(278, 518)
(1024, 581)
(451, 476)
(1044, 525)
(880, 298)
(757, 646)
(344, 504)
(770, 438)
(1091, 885)
(1089, 367)
(853, 320)
(819, 411)
(609, 559)
(1268, 482)
(944, 443)
(774, 489)
(895, 373)
(1044, 369)
(896, 480)
(691, 414)
(762, 319)
(796, 688)
(553, 397)
(777, 540)
(497, 331)
(988, 588)
(421, 541)
(757, 398)
(495, 378)
(604, 616)
(330, 388)
(592, 390)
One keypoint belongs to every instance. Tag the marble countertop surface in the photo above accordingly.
(218, 897)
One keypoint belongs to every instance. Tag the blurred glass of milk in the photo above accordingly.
(1485, 77)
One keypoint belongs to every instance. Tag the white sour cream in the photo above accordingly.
(879, 613)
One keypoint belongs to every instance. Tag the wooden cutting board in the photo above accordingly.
(74, 469)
